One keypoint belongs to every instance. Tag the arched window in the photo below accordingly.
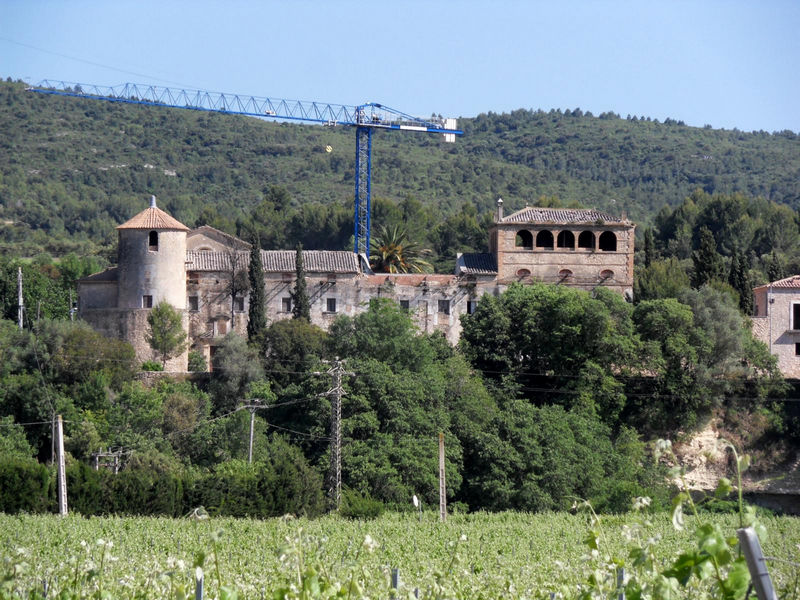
(544, 239)
(608, 242)
(524, 239)
(204, 249)
(523, 273)
(565, 275)
(152, 241)
(586, 240)
(606, 274)
(566, 239)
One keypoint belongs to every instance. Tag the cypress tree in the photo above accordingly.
(301, 305)
(649, 249)
(739, 279)
(257, 317)
(706, 260)
(774, 268)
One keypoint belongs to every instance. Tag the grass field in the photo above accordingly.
(504, 555)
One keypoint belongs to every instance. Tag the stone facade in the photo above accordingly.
(193, 270)
(777, 322)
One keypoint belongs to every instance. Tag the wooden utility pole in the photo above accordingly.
(442, 485)
(62, 474)
(253, 406)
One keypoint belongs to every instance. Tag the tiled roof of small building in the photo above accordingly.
(792, 282)
(214, 233)
(153, 218)
(476, 264)
(277, 261)
(560, 215)
(109, 275)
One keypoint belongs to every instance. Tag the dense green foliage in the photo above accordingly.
(166, 335)
(71, 171)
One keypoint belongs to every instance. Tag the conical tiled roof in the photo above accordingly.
(153, 218)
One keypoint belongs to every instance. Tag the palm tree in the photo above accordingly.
(391, 252)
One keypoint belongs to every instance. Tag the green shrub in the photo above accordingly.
(25, 485)
(88, 490)
(197, 362)
(152, 365)
(359, 506)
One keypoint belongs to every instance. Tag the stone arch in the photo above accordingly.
(566, 239)
(523, 273)
(606, 274)
(152, 241)
(544, 239)
(586, 240)
(607, 241)
(524, 239)
(566, 275)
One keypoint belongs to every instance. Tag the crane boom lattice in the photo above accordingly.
(366, 118)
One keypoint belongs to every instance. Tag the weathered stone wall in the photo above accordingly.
(158, 273)
(131, 325)
(97, 295)
(589, 267)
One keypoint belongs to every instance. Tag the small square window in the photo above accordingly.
(286, 277)
(286, 305)
(194, 303)
(444, 307)
(238, 304)
(472, 306)
(330, 305)
(147, 301)
(405, 304)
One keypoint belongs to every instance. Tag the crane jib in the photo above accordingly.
(365, 118)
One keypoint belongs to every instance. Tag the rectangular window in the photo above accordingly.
(472, 306)
(330, 305)
(286, 277)
(238, 304)
(405, 304)
(444, 307)
(286, 305)
(147, 301)
(795, 316)
(797, 349)
(194, 303)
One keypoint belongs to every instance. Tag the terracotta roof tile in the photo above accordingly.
(792, 282)
(559, 215)
(277, 261)
(153, 218)
(476, 264)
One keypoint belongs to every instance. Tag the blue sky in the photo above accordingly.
(724, 63)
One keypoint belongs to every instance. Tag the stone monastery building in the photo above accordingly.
(160, 259)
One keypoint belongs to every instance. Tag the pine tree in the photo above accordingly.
(301, 305)
(706, 260)
(257, 317)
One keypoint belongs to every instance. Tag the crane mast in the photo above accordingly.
(365, 118)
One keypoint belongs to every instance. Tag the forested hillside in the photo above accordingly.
(71, 170)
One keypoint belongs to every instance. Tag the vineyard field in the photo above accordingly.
(504, 555)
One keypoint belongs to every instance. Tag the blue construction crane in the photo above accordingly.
(366, 118)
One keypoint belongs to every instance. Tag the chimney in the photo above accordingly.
(499, 216)
(153, 202)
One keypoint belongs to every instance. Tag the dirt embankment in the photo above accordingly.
(775, 470)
